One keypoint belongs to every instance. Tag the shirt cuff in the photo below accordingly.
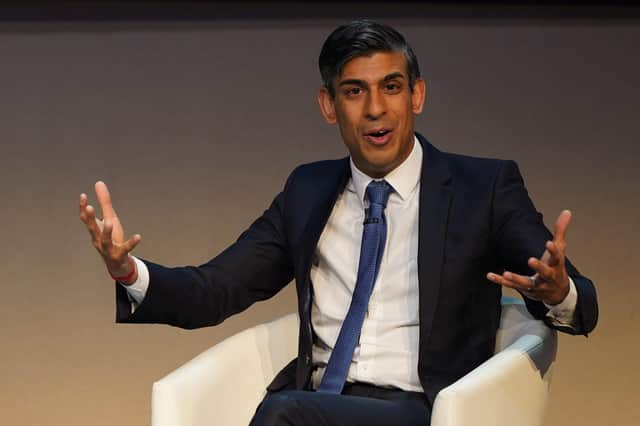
(138, 290)
(562, 313)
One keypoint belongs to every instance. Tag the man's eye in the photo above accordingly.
(392, 87)
(354, 91)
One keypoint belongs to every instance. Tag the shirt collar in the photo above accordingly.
(403, 178)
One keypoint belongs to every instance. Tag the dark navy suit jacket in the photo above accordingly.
(475, 217)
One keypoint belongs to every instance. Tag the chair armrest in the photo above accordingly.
(509, 388)
(198, 392)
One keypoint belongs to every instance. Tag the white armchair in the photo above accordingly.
(224, 384)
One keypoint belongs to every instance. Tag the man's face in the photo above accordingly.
(374, 109)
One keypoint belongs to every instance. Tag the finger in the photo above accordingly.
(511, 280)
(562, 224)
(556, 254)
(104, 198)
(544, 271)
(499, 279)
(91, 223)
(83, 206)
(546, 256)
(522, 281)
(131, 243)
(107, 228)
(529, 290)
(92, 219)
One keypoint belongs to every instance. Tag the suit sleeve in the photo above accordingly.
(520, 233)
(254, 268)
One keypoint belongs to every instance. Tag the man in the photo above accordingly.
(396, 252)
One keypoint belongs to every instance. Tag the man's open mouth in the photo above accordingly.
(378, 136)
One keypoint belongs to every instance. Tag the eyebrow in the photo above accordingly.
(358, 82)
(393, 76)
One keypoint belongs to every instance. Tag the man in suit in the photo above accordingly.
(396, 252)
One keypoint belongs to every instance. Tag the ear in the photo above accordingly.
(327, 105)
(418, 95)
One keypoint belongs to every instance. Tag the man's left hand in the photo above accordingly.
(550, 283)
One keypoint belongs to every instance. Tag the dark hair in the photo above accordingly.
(362, 38)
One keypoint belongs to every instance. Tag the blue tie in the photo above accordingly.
(374, 234)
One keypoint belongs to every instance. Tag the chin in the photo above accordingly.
(381, 168)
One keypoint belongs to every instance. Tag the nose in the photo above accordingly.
(375, 106)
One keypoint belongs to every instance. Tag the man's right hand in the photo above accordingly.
(107, 235)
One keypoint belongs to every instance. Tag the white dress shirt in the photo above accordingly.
(387, 353)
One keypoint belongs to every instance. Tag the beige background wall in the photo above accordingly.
(195, 127)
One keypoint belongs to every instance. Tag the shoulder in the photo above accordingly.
(319, 173)
(320, 168)
(466, 167)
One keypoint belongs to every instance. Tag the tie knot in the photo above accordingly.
(378, 192)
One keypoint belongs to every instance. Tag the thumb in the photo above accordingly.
(132, 242)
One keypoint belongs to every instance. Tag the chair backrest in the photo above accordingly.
(278, 343)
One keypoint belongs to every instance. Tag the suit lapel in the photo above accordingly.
(435, 201)
(321, 200)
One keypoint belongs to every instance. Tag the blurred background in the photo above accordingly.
(194, 113)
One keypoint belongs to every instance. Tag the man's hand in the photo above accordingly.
(107, 235)
(550, 283)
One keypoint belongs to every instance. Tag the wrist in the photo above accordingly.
(560, 297)
(127, 274)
